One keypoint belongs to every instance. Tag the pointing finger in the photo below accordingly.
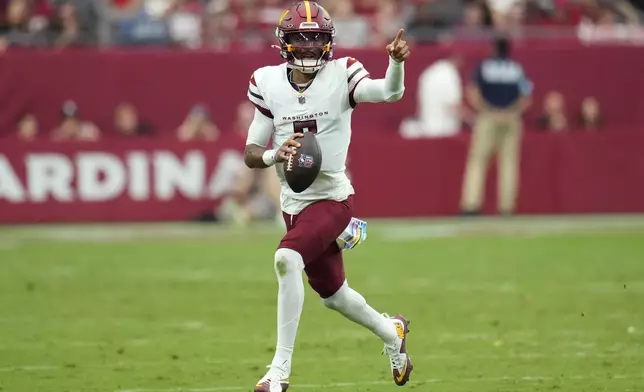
(399, 36)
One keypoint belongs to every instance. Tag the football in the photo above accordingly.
(302, 168)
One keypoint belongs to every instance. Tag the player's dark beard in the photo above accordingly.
(309, 54)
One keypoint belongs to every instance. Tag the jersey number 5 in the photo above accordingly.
(305, 126)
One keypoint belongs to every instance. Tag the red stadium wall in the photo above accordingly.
(165, 84)
(161, 180)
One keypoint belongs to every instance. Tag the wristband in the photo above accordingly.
(269, 157)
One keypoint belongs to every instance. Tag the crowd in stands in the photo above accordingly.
(198, 125)
(126, 124)
(222, 24)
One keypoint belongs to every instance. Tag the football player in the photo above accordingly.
(312, 92)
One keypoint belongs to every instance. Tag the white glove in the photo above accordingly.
(353, 235)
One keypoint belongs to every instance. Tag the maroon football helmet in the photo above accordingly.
(305, 33)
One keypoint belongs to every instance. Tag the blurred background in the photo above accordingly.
(135, 110)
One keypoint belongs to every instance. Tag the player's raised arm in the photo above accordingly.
(392, 87)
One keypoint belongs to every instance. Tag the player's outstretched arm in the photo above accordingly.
(256, 156)
(392, 87)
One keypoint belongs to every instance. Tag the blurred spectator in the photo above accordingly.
(198, 126)
(127, 123)
(440, 95)
(607, 18)
(367, 7)
(250, 30)
(219, 25)
(66, 27)
(425, 27)
(447, 13)
(352, 30)
(553, 117)
(501, 10)
(388, 19)
(625, 11)
(184, 22)
(515, 19)
(607, 13)
(73, 128)
(24, 27)
(27, 129)
(80, 22)
(590, 118)
(137, 23)
(473, 23)
(563, 12)
(271, 11)
(256, 193)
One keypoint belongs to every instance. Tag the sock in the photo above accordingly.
(353, 306)
(290, 299)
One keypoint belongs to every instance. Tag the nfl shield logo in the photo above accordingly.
(301, 99)
(305, 161)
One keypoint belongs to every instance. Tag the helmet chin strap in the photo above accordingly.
(307, 70)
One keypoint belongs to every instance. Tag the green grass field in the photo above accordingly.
(518, 305)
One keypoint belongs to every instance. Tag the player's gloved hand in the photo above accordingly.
(288, 148)
(398, 49)
(353, 235)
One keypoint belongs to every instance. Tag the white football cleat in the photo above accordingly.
(275, 380)
(400, 362)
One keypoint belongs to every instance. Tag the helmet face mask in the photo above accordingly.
(305, 33)
(308, 49)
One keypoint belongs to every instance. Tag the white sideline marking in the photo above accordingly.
(365, 383)
(430, 357)
(29, 368)
(513, 227)
(392, 230)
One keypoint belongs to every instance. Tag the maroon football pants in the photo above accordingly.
(313, 233)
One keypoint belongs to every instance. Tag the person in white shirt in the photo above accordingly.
(440, 94)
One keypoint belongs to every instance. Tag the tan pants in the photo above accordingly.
(493, 135)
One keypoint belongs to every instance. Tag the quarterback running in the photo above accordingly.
(312, 92)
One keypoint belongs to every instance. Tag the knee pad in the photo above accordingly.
(288, 261)
(337, 300)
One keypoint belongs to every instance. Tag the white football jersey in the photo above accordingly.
(324, 108)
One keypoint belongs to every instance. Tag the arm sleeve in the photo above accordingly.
(389, 89)
(260, 130)
(255, 96)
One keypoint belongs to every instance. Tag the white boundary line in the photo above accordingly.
(437, 357)
(384, 229)
(427, 381)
